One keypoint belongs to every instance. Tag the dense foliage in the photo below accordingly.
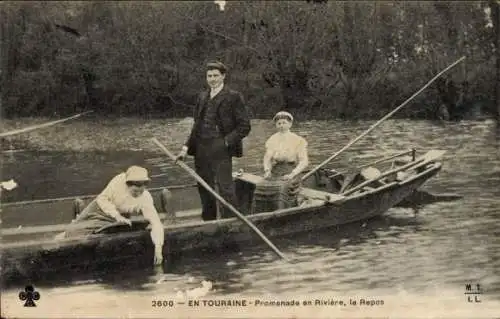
(321, 58)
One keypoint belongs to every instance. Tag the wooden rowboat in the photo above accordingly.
(29, 248)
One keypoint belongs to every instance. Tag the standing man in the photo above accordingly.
(221, 122)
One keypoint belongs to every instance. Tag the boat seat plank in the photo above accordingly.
(317, 194)
(248, 177)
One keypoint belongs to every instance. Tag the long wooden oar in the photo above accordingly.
(222, 200)
(38, 126)
(380, 121)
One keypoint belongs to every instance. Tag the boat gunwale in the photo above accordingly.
(433, 166)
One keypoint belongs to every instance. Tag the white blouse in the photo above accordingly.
(116, 198)
(286, 147)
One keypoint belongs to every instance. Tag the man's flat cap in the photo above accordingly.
(216, 65)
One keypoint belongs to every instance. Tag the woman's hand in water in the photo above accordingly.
(267, 174)
(158, 258)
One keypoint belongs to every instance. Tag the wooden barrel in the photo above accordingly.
(273, 195)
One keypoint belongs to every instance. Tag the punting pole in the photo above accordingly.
(34, 127)
(381, 120)
(222, 200)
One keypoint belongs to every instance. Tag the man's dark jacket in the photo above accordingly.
(233, 120)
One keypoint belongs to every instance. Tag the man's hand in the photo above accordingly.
(123, 220)
(182, 154)
(158, 259)
(287, 177)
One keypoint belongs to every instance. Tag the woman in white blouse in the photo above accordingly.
(285, 159)
(286, 152)
(124, 196)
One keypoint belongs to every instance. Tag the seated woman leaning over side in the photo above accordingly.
(124, 196)
(285, 159)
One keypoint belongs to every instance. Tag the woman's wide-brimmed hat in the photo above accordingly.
(137, 174)
(283, 115)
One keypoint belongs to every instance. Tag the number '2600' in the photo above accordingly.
(163, 303)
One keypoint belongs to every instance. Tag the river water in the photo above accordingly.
(417, 263)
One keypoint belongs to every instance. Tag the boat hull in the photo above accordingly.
(27, 259)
